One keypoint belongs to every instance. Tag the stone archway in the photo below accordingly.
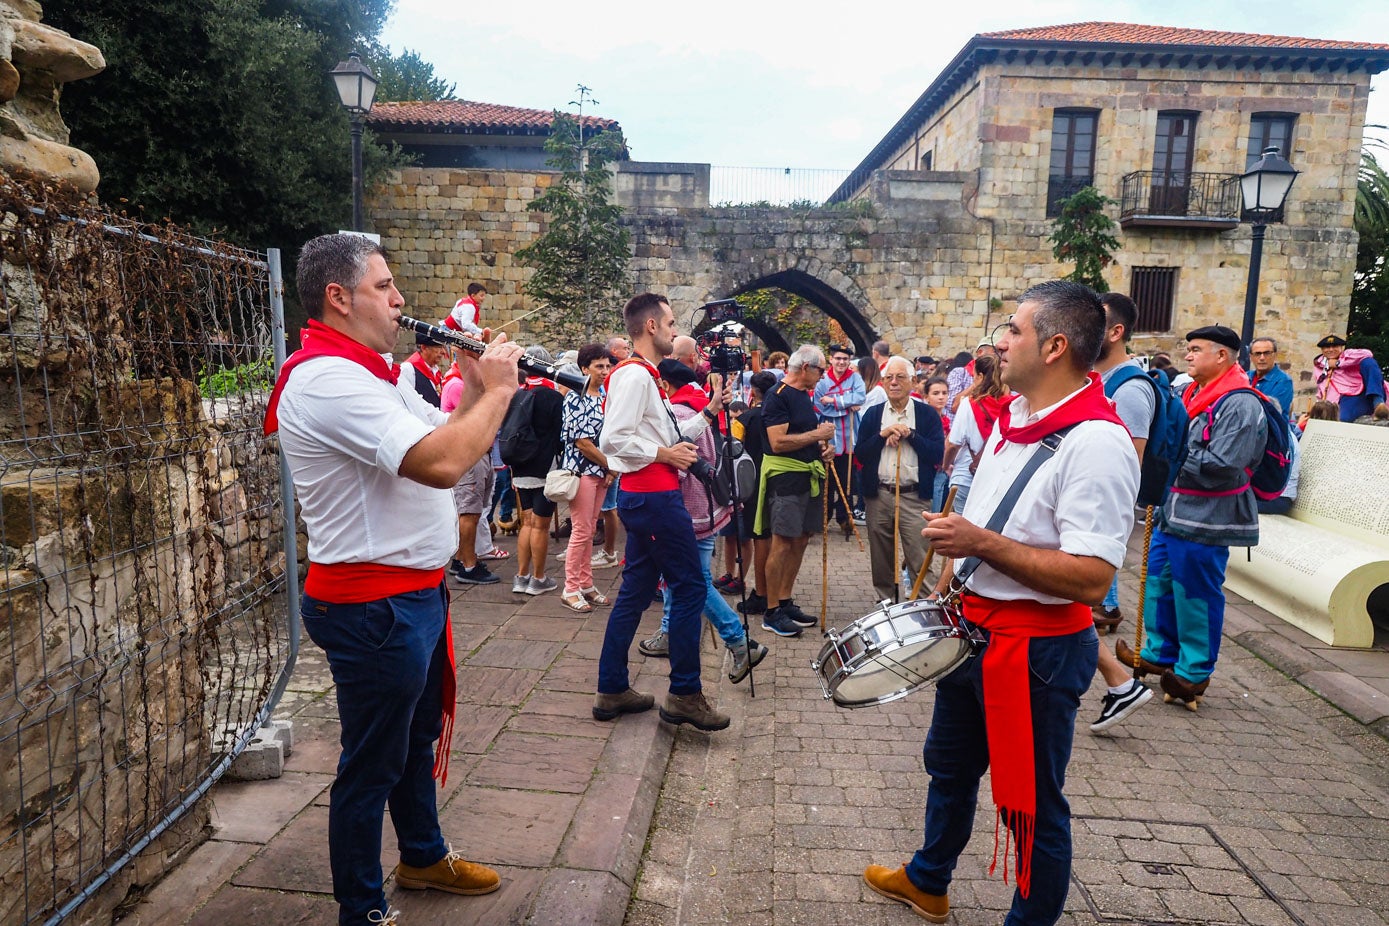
(823, 296)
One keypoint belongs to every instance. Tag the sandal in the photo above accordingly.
(593, 596)
(496, 553)
(575, 601)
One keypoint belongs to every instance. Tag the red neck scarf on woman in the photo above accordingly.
(1199, 398)
(1089, 404)
(319, 340)
(986, 409)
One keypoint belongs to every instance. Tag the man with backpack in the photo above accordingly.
(1210, 508)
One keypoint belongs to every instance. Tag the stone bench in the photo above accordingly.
(1317, 566)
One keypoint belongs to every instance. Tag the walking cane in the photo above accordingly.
(825, 553)
(840, 486)
(948, 507)
(897, 528)
(1142, 588)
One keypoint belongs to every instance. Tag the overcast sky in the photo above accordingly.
(753, 83)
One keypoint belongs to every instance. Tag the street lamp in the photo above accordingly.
(356, 86)
(1263, 187)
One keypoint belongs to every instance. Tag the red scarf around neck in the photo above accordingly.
(1089, 404)
(1198, 398)
(319, 340)
(691, 395)
(427, 371)
(987, 409)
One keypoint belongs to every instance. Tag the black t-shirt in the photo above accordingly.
(794, 408)
(754, 434)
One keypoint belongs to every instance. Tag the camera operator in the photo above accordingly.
(640, 440)
(792, 478)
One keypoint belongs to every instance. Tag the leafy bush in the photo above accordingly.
(225, 381)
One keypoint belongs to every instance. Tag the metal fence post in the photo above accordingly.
(278, 339)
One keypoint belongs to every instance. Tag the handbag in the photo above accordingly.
(561, 485)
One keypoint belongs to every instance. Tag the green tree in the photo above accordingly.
(407, 76)
(1082, 235)
(1369, 299)
(220, 115)
(580, 262)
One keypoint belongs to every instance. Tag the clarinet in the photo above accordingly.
(475, 347)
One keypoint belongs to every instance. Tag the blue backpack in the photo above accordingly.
(1166, 437)
(1269, 476)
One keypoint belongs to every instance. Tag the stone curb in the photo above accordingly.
(1340, 689)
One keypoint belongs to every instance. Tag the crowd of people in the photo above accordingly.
(1053, 434)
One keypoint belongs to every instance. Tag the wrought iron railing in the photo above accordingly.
(1180, 194)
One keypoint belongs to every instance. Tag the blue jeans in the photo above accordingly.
(1111, 598)
(660, 541)
(956, 755)
(938, 490)
(503, 499)
(1186, 603)
(388, 658)
(724, 618)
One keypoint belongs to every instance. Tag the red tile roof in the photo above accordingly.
(1130, 34)
(464, 115)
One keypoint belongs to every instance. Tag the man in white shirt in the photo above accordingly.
(372, 466)
(1030, 595)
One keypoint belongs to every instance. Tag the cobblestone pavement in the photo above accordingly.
(1269, 806)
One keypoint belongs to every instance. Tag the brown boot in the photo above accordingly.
(894, 885)
(631, 701)
(1106, 619)
(1126, 657)
(1176, 688)
(693, 709)
(451, 873)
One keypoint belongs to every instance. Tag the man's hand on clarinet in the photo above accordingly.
(951, 535)
(496, 368)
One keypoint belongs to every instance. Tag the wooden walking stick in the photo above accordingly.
(897, 528)
(840, 486)
(1142, 588)
(948, 507)
(825, 553)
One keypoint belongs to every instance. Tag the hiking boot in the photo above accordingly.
(741, 663)
(520, 584)
(478, 575)
(755, 604)
(1118, 706)
(451, 873)
(894, 885)
(631, 701)
(1106, 619)
(539, 586)
(1126, 656)
(695, 710)
(780, 624)
(798, 617)
(1176, 688)
(657, 645)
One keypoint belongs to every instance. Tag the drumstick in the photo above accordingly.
(825, 553)
(930, 550)
(897, 528)
(840, 486)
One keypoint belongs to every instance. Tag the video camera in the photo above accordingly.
(724, 357)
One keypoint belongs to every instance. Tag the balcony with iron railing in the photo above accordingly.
(1180, 199)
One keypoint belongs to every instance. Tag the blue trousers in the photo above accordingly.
(388, 658)
(1187, 604)
(1111, 597)
(956, 756)
(660, 541)
(724, 618)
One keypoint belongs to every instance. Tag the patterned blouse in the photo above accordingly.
(583, 417)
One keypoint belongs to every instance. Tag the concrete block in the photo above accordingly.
(264, 756)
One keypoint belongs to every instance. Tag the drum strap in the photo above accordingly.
(1046, 449)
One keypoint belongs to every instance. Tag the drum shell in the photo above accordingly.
(891, 652)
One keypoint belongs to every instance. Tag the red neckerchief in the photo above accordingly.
(986, 410)
(427, 371)
(1198, 398)
(837, 382)
(1089, 404)
(453, 373)
(319, 340)
(632, 358)
(690, 395)
(451, 322)
(537, 382)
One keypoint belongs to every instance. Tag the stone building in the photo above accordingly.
(1163, 120)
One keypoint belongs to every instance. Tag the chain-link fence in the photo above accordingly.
(144, 631)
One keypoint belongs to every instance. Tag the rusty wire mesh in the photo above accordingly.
(141, 549)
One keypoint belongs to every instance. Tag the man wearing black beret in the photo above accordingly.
(1350, 377)
(1211, 508)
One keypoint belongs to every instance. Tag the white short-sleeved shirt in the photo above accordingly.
(344, 433)
(964, 433)
(1080, 501)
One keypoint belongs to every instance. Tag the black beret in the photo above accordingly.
(675, 372)
(839, 349)
(1221, 335)
(925, 359)
(1332, 340)
(426, 340)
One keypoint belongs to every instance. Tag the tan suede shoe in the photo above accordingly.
(451, 873)
(893, 884)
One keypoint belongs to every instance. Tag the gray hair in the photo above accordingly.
(1264, 338)
(896, 359)
(340, 259)
(806, 354)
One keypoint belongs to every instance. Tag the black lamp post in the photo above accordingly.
(356, 86)
(1263, 187)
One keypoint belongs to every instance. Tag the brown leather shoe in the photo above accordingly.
(894, 885)
(1176, 688)
(1106, 619)
(695, 710)
(1125, 654)
(451, 873)
(631, 701)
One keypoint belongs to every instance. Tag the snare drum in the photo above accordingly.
(888, 654)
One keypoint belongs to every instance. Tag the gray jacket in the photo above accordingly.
(1236, 443)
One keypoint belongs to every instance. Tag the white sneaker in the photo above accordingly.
(520, 585)
(604, 560)
(541, 586)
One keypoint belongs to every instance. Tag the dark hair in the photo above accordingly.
(1325, 411)
(992, 380)
(475, 288)
(589, 353)
(639, 309)
(327, 259)
(737, 406)
(1122, 310)
(764, 381)
(1160, 362)
(838, 349)
(870, 374)
(961, 359)
(1070, 309)
(936, 381)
